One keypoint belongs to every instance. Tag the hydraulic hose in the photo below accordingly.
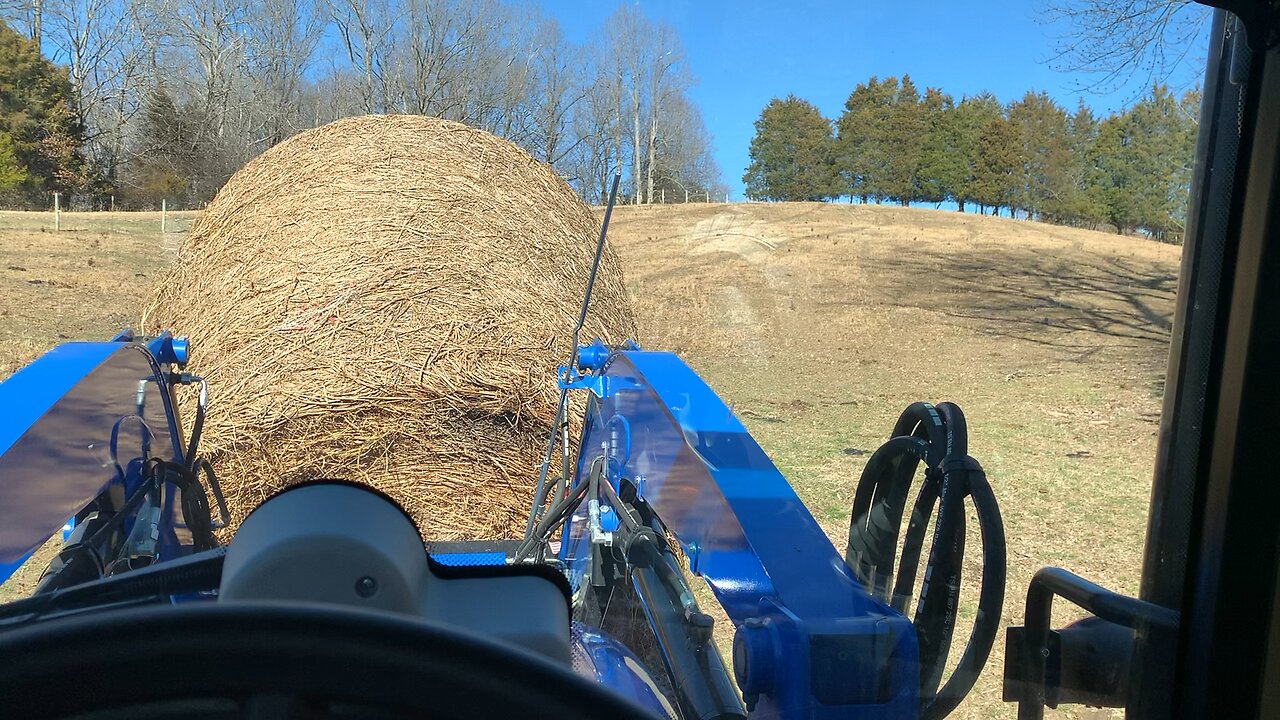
(560, 510)
(940, 590)
(938, 438)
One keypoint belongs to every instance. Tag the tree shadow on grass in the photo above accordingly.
(1076, 305)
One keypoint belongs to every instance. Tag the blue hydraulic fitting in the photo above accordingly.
(592, 356)
(180, 349)
(174, 350)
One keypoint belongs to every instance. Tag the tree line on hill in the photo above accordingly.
(138, 100)
(1129, 171)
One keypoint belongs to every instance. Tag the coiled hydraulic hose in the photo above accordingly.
(939, 438)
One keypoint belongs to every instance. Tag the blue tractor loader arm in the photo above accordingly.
(86, 433)
(811, 642)
(664, 469)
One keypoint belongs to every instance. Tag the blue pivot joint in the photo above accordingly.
(592, 356)
(170, 349)
(165, 348)
(590, 359)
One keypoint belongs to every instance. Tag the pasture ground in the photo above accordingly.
(818, 323)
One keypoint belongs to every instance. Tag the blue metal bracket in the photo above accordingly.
(592, 356)
(589, 373)
(170, 349)
(566, 380)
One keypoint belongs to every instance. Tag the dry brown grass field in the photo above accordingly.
(819, 323)
(85, 282)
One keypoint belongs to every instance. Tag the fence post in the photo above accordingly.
(686, 197)
(164, 215)
(726, 198)
(113, 203)
(664, 196)
(57, 212)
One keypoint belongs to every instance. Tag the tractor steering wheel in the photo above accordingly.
(269, 660)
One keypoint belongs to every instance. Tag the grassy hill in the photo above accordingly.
(820, 323)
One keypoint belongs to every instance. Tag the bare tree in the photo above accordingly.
(666, 80)
(211, 32)
(430, 49)
(1116, 40)
(365, 27)
(25, 16)
(241, 75)
(559, 91)
(336, 93)
(629, 35)
(466, 61)
(683, 160)
(595, 127)
(280, 42)
(614, 85)
(200, 61)
(513, 72)
(102, 44)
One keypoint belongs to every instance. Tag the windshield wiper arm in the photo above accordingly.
(198, 572)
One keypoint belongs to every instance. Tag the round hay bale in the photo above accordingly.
(385, 299)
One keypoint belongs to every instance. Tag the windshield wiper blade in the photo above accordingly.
(198, 572)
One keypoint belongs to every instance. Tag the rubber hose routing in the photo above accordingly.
(938, 438)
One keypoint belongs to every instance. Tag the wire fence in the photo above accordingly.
(68, 214)
(676, 197)
(178, 220)
(690, 196)
(82, 205)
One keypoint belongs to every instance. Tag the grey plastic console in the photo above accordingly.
(348, 545)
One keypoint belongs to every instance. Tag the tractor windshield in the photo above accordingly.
(880, 326)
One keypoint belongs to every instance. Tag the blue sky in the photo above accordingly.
(745, 53)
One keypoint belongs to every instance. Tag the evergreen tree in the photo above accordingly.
(12, 175)
(1183, 156)
(176, 154)
(1162, 144)
(1131, 170)
(997, 172)
(969, 120)
(850, 144)
(942, 170)
(1045, 152)
(37, 115)
(791, 153)
(862, 150)
(903, 142)
(167, 154)
(1084, 204)
(1143, 163)
(1118, 177)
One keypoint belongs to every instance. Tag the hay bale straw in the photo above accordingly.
(385, 299)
